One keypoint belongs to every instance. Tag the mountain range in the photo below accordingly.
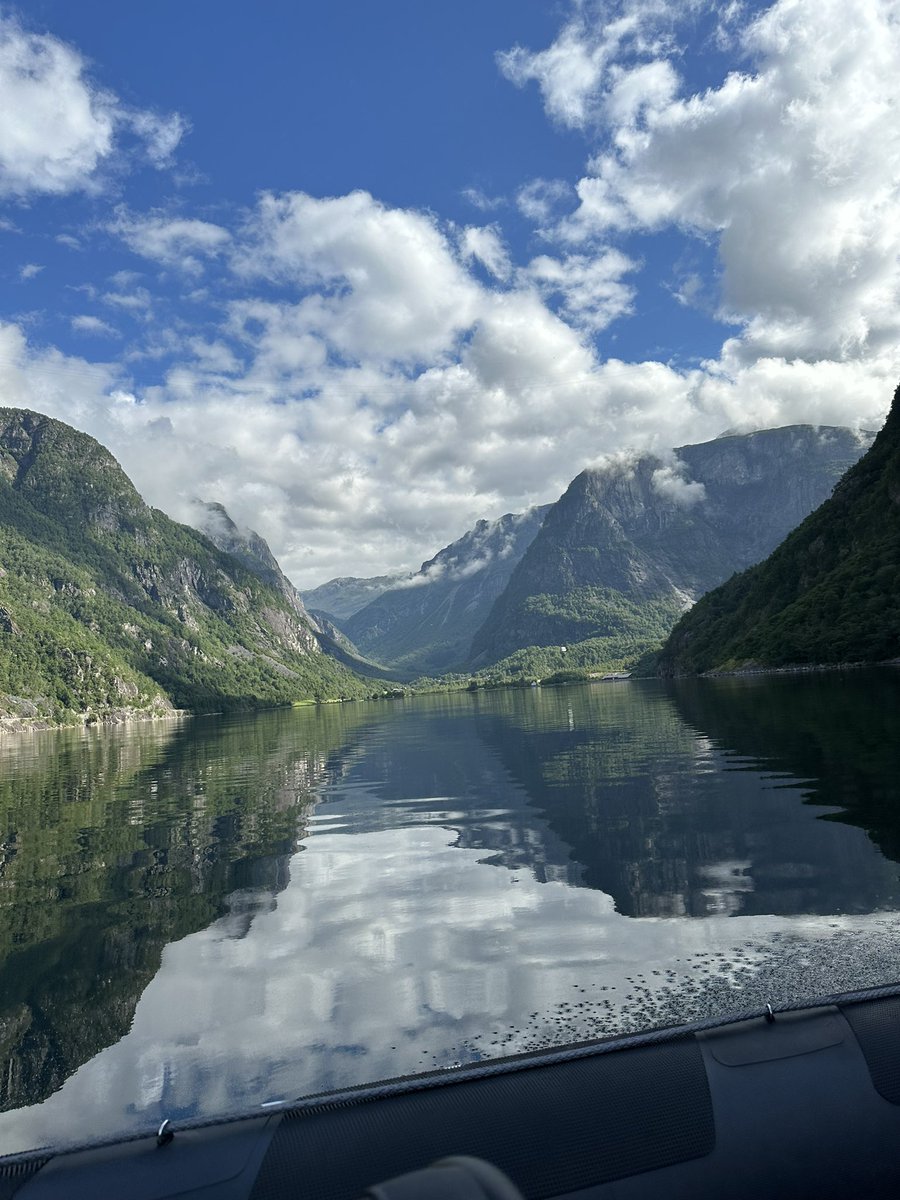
(109, 609)
(604, 572)
(340, 598)
(634, 543)
(424, 622)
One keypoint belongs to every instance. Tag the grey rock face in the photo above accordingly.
(252, 551)
(668, 530)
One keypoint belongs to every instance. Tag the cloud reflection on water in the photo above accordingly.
(397, 951)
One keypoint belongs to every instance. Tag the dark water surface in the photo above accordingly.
(225, 912)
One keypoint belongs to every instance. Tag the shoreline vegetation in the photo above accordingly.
(15, 725)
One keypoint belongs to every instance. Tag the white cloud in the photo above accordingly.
(388, 284)
(57, 128)
(485, 244)
(174, 241)
(567, 73)
(792, 167)
(160, 133)
(30, 270)
(125, 278)
(539, 199)
(137, 300)
(580, 67)
(670, 483)
(444, 571)
(636, 94)
(481, 200)
(93, 325)
(591, 287)
(354, 470)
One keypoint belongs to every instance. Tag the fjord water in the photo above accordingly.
(210, 915)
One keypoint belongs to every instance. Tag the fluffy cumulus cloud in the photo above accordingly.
(590, 286)
(577, 71)
(57, 128)
(539, 198)
(347, 470)
(484, 244)
(386, 283)
(791, 164)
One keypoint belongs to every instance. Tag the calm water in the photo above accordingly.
(225, 912)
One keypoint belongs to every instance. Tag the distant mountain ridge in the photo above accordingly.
(631, 545)
(425, 622)
(109, 609)
(829, 593)
(342, 597)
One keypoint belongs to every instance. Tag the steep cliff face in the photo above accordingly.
(315, 631)
(827, 594)
(112, 609)
(425, 623)
(252, 552)
(661, 533)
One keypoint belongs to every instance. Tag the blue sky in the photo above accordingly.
(366, 273)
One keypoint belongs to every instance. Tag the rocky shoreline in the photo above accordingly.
(18, 714)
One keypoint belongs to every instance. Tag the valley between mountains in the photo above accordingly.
(110, 610)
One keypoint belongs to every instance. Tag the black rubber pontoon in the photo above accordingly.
(796, 1103)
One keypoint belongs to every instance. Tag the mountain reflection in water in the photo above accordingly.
(471, 873)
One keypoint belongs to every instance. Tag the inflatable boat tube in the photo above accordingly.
(793, 1103)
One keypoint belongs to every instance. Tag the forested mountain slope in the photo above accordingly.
(109, 608)
(829, 593)
(251, 551)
